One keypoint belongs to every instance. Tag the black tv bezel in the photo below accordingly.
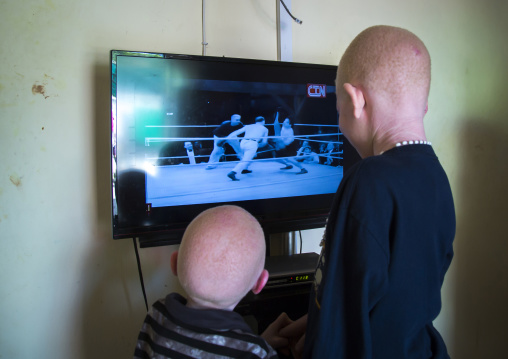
(277, 220)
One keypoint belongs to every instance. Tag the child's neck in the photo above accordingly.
(202, 305)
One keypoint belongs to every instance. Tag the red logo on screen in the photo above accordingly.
(315, 90)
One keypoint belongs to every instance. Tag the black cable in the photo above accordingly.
(298, 21)
(140, 272)
(301, 241)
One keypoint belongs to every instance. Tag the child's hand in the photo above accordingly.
(295, 332)
(273, 337)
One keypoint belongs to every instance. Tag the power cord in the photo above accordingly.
(140, 273)
(298, 21)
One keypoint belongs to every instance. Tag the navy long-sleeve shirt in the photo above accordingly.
(387, 247)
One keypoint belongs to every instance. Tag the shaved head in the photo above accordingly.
(221, 256)
(390, 61)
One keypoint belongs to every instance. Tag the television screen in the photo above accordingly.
(193, 132)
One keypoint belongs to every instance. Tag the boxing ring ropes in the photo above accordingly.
(303, 138)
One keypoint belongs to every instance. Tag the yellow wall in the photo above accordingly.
(69, 291)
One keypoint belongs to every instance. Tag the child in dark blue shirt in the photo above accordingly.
(388, 240)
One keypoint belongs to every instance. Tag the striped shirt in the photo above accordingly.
(172, 330)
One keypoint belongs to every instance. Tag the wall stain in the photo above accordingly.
(16, 180)
(39, 89)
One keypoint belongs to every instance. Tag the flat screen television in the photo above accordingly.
(165, 109)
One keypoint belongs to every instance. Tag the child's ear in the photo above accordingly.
(174, 261)
(261, 282)
(357, 99)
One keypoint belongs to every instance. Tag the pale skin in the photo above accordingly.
(221, 258)
(382, 87)
(386, 103)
